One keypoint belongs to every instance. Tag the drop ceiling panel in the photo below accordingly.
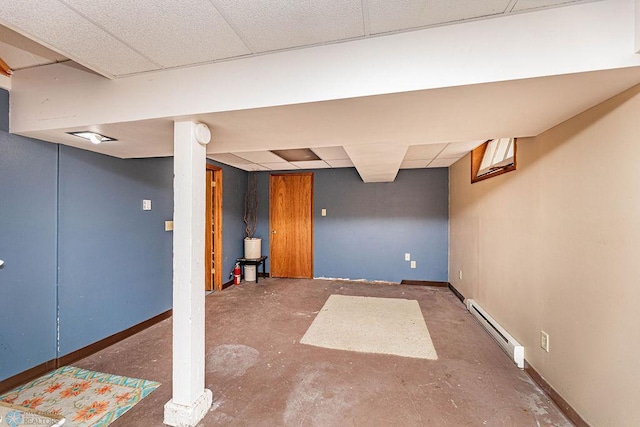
(340, 163)
(251, 167)
(120, 38)
(275, 25)
(387, 16)
(442, 163)
(415, 164)
(314, 164)
(228, 158)
(426, 151)
(65, 31)
(281, 166)
(538, 4)
(260, 157)
(459, 149)
(331, 153)
(169, 32)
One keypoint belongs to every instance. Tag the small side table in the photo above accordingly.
(254, 261)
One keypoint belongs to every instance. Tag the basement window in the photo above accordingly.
(493, 158)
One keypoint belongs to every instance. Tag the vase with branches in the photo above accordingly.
(252, 244)
(251, 206)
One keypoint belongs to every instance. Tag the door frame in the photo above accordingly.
(216, 209)
(271, 211)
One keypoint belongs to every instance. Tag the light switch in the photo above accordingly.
(324, 212)
(146, 205)
(168, 226)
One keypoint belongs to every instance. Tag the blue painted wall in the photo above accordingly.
(4, 110)
(115, 260)
(234, 185)
(369, 227)
(28, 199)
(76, 241)
(77, 245)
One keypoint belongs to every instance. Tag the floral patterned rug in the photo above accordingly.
(84, 398)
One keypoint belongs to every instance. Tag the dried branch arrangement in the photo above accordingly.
(251, 205)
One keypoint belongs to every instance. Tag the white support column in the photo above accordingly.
(191, 400)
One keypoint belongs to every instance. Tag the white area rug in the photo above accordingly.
(372, 325)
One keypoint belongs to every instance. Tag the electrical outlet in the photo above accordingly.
(544, 341)
(413, 264)
(407, 257)
(146, 205)
(460, 274)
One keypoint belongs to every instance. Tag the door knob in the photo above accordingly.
(1, 263)
(273, 232)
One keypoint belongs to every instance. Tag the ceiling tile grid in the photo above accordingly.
(522, 5)
(250, 167)
(415, 164)
(340, 163)
(276, 25)
(119, 38)
(280, 166)
(227, 158)
(260, 157)
(442, 163)
(425, 151)
(54, 24)
(390, 16)
(313, 164)
(459, 149)
(168, 32)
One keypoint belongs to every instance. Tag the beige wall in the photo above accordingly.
(555, 246)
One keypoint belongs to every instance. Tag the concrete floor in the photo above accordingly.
(260, 375)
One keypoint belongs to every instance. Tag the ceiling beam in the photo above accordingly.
(518, 46)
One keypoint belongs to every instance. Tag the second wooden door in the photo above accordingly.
(213, 230)
(291, 223)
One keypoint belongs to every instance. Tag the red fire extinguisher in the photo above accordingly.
(236, 274)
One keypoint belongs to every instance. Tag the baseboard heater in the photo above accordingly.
(503, 338)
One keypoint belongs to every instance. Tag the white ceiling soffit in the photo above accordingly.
(421, 120)
(120, 38)
(377, 162)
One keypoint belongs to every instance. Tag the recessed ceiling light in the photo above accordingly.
(297, 155)
(94, 137)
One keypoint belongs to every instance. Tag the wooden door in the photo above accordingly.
(213, 229)
(291, 223)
